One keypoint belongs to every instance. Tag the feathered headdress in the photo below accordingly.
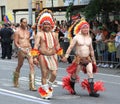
(79, 25)
(45, 16)
(71, 29)
(76, 27)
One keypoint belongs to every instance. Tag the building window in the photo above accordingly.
(2, 12)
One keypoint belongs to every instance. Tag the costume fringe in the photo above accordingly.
(98, 86)
(66, 83)
(71, 68)
(41, 91)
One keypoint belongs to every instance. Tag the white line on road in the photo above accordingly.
(108, 75)
(38, 81)
(23, 96)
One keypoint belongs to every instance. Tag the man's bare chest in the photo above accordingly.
(24, 35)
(83, 41)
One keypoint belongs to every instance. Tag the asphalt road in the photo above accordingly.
(22, 95)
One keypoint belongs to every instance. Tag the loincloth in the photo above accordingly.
(84, 61)
(26, 55)
(50, 61)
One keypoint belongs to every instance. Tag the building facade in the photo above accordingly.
(21, 6)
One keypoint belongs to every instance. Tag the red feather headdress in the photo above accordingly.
(71, 29)
(46, 16)
(78, 26)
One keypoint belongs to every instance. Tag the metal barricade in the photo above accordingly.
(105, 54)
(102, 54)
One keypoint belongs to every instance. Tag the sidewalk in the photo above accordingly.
(112, 71)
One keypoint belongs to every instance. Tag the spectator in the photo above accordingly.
(33, 33)
(99, 46)
(6, 41)
(112, 48)
(117, 43)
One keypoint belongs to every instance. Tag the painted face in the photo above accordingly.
(85, 29)
(46, 26)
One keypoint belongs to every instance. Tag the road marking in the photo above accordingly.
(65, 97)
(60, 83)
(110, 75)
(38, 81)
(23, 96)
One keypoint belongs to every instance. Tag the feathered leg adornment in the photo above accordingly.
(45, 92)
(50, 84)
(92, 87)
(72, 68)
(69, 83)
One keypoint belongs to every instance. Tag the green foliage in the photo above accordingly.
(96, 7)
(93, 8)
(68, 10)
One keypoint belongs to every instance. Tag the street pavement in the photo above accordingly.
(22, 95)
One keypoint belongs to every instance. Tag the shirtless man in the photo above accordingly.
(47, 42)
(84, 57)
(22, 42)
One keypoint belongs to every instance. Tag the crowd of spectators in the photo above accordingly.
(106, 40)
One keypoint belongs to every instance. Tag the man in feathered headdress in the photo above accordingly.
(84, 60)
(47, 43)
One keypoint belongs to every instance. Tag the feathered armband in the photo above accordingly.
(60, 52)
(34, 53)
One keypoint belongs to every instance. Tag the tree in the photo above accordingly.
(104, 7)
(69, 9)
(97, 7)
